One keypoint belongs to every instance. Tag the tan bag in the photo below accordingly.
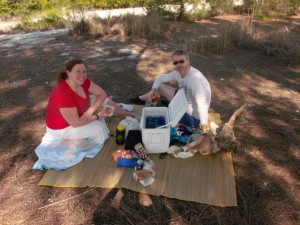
(202, 143)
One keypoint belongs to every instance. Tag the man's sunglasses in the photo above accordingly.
(180, 61)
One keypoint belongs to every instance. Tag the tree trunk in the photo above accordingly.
(181, 10)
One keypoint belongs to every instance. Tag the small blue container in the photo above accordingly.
(125, 162)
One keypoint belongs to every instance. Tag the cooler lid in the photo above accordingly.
(177, 107)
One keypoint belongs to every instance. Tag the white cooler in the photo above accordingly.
(157, 140)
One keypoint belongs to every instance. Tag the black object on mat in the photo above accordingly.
(133, 137)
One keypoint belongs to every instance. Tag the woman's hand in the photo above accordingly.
(87, 116)
(102, 112)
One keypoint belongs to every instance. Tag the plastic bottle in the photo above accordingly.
(120, 134)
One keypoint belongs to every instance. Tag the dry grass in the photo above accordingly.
(152, 26)
(283, 44)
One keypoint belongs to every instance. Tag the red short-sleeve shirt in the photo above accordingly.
(64, 97)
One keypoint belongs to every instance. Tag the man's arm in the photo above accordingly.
(164, 79)
(201, 92)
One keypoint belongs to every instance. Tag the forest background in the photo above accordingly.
(53, 14)
(201, 8)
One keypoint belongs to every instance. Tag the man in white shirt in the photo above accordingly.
(196, 87)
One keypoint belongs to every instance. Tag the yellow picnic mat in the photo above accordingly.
(202, 179)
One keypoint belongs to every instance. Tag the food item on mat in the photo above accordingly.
(142, 174)
(124, 158)
(122, 153)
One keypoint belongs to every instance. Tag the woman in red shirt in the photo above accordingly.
(75, 128)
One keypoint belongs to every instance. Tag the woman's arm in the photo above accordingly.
(100, 95)
(100, 98)
(72, 117)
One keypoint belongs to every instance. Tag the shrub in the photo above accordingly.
(284, 45)
(196, 15)
(82, 28)
(151, 26)
(47, 22)
(168, 12)
(227, 38)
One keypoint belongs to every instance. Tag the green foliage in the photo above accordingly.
(260, 14)
(4, 8)
(50, 21)
(27, 7)
(119, 3)
(263, 9)
(260, 8)
(295, 4)
(80, 4)
(176, 11)
(220, 6)
(157, 8)
(196, 15)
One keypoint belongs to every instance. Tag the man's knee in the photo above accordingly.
(162, 86)
(166, 88)
(166, 91)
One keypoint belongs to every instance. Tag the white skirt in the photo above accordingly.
(66, 147)
(96, 130)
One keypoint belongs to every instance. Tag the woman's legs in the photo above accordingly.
(117, 109)
(120, 111)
